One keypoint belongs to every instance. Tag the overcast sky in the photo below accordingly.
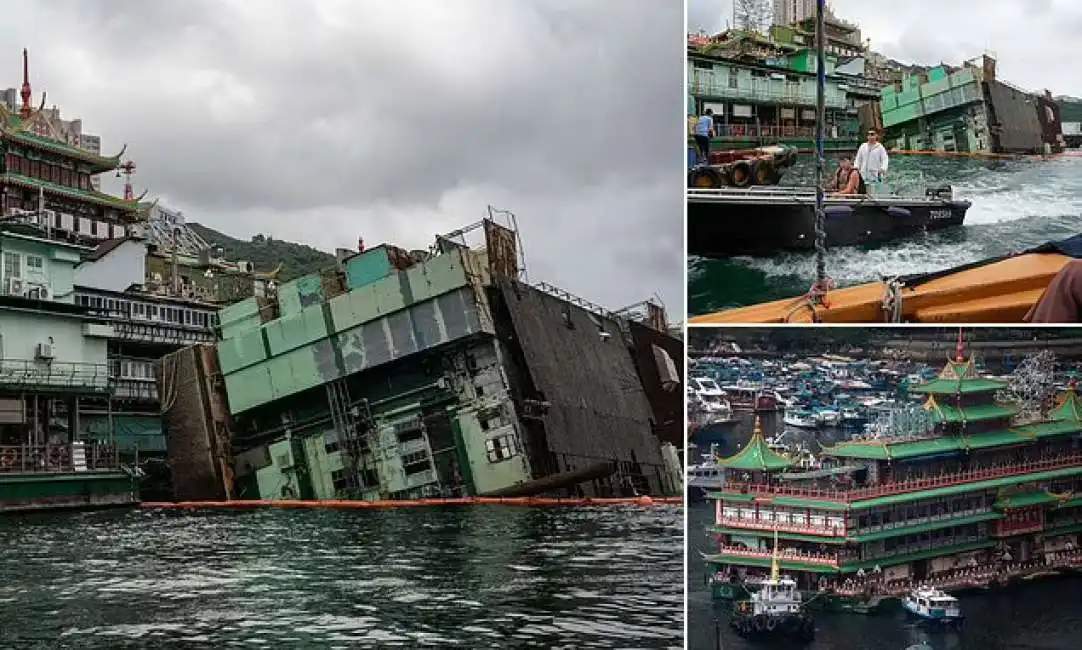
(1036, 42)
(318, 121)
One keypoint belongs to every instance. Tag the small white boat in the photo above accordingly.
(800, 419)
(933, 605)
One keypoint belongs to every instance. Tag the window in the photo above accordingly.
(34, 264)
(12, 265)
(500, 448)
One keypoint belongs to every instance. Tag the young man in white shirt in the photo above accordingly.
(872, 160)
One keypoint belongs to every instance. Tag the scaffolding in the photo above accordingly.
(351, 422)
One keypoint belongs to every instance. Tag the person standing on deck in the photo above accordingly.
(872, 159)
(704, 130)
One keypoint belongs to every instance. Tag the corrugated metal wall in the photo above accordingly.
(598, 409)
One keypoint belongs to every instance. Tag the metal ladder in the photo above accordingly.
(346, 428)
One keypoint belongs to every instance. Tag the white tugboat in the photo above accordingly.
(774, 608)
(934, 606)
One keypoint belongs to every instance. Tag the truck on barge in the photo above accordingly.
(982, 498)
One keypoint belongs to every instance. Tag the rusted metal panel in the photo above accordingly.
(666, 400)
(502, 247)
(575, 363)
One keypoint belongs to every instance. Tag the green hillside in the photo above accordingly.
(266, 253)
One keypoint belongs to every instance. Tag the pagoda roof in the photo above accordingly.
(1026, 499)
(92, 196)
(945, 413)
(757, 455)
(944, 386)
(16, 129)
(1069, 407)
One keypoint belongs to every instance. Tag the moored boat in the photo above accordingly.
(933, 606)
(800, 419)
(774, 609)
(761, 221)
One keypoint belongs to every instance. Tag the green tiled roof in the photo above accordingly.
(1070, 409)
(965, 487)
(945, 413)
(912, 557)
(100, 163)
(731, 496)
(789, 565)
(1072, 502)
(1063, 530)
(942, 386)
(92, 196)
(925, 527)
(782, 534)
(757, 455)
(798, 502)
(1026, 499)
(889, 449)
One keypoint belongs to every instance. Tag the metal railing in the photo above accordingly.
(912, 485)
(54, 374)
(58, 459)
(762, 524)
(809, 558)
(770, 132)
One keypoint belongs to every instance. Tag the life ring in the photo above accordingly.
(7, 459)
(790, 157)
(771, 623)
(740, 173)
(757, 623)
(765, 174)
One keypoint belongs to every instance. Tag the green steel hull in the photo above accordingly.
(29, 492)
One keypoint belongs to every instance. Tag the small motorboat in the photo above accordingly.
(933, 606)
(774, 609)
(763, 221)
(800, 419)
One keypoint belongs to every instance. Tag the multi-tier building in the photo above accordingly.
(406, 374)
(83, 319)
(981, 496)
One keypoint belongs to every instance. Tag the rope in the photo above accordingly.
(892, 300)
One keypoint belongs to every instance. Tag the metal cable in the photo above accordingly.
(820, 154)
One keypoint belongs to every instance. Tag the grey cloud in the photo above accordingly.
(317, 121)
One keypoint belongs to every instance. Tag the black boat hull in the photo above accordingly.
(746, 228)
(798, 628)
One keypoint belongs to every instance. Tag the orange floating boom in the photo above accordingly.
(1000, 292)
(242, 504)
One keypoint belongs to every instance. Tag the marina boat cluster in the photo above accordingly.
(961, 485)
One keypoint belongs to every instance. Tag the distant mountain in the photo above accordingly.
(265, 253)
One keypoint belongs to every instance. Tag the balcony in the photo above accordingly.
(770, 526)
(912, 485)
(707, 86)
(58, 459)
(783, 555)
(46, 376)
(134, 379)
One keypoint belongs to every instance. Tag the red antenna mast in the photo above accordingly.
(128, 168)
(25, 92)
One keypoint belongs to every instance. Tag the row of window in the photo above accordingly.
(47, 172)
(14, 264)
(135, 310)
(500, 448)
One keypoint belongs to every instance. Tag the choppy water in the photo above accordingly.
(474, 577)
(1043, 615)
(1016, 205)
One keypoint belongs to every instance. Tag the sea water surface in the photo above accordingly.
(1017, 204)
(471, 577)
(1042, 615)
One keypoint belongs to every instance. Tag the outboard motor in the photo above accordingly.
(943, 193)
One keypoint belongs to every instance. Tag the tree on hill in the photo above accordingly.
(265, 253)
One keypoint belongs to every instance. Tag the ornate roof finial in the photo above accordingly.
(26, 92)
(758, 431)
(960, 349)
(1072, 385)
